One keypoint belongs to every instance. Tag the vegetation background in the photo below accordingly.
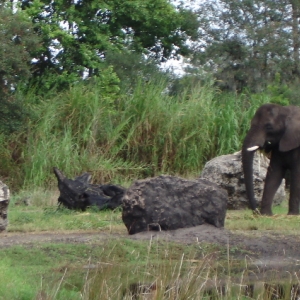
(82, 87)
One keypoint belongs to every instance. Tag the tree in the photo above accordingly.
(295, 35)
(132, 68)
(247, 42)
(78, 34)
(17, 40)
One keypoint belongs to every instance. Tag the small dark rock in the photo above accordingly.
(80, 194)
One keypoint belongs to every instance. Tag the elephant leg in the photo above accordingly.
(272, 182)
(294, 200)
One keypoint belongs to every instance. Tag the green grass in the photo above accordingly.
(280, 221)
(121, 137)
(33, 219)
(43, 215)
(26, 271)
(97, 271)
(112, 268)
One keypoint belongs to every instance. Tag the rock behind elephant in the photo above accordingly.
(227, 172)
(169, 202)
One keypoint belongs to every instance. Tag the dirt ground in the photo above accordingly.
(259, 245)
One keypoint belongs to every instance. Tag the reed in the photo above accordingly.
(121, 137)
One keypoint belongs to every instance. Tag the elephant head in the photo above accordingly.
(273, 127)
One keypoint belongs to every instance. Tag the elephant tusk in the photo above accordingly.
(252, 148)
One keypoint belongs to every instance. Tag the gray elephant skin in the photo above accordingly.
(275, 129)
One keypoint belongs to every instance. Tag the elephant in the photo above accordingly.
(275, 129)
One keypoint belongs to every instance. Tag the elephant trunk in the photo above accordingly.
(247, 161)
(250, 145)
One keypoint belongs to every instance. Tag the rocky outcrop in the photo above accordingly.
(226, 171)
(168, 202)
(4, 201)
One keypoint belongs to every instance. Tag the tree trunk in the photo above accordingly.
(295, 30)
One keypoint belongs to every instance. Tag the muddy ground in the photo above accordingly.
(262, 245)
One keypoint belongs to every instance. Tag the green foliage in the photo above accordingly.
(179, 85)
(91, 29)
(132, 67)
(17, 39)
(120, 137)
(294, 93)
(245, 47)
(12, 114)
(73, 130)
(280, 93)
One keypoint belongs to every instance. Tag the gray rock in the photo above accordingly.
(168, 202)
(4, 200)
(226, 171)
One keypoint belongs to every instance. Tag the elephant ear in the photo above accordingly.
(291, 137)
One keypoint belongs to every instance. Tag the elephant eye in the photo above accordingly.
(268, 126)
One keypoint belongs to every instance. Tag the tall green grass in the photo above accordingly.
(121, 137)
(69, 135)
(231, 115)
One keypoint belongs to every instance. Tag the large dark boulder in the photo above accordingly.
(80, 193)
(168, 202)
(4, 201)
